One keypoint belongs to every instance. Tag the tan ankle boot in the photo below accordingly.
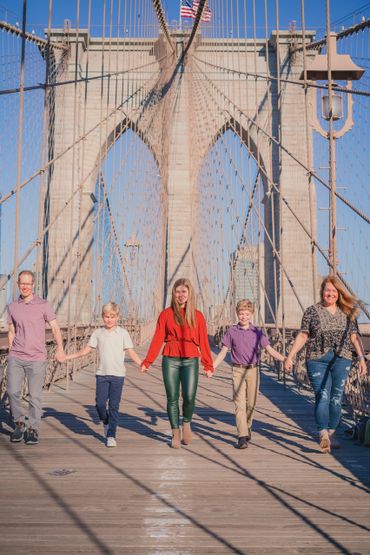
(186, 433)
(325, 441)
(175, 443)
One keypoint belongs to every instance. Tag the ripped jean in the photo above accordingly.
(328, 375)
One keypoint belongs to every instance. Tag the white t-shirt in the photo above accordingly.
(111, 346)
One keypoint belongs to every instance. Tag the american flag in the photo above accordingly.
(186, 9)
(189, 8)
(206, 12)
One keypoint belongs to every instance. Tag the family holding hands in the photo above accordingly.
(329, 330)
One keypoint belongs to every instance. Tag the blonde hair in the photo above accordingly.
(190, 306)
(346, 302)
(245, 304)
(110, 307)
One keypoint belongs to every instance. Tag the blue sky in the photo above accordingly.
(351, 150)
(342, 12)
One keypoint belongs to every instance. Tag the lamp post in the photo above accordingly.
(327, 67)
(133, 245)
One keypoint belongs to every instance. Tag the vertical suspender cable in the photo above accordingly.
(102, 222)
(281, 229)
(311, 183)
(71, 208)
(332, 161)
(19, 153)
(79, 306)
(45, 138)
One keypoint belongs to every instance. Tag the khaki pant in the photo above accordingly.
(245, 391)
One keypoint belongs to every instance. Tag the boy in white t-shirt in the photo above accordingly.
(111, 342)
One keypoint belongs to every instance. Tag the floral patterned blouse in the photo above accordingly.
(327, 332)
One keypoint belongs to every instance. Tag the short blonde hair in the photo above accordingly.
(245, 304)
(26, 273)
(110, 307)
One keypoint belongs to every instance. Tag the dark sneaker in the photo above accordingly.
(242, 442)
(32, 436)
(17, 435)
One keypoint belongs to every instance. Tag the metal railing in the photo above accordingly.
(357, 389)
(54, 371)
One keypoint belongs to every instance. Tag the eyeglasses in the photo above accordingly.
(22, 284)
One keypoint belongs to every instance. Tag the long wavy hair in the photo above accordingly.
(346, 302)
(190, 306)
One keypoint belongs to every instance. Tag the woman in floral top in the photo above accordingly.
(331, 332)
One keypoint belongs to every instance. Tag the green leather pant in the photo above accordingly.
(177, 370)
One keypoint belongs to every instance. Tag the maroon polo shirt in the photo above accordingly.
(29, 321)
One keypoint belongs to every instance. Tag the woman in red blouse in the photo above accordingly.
(183, 330)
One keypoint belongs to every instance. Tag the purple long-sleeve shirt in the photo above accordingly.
(245, 344)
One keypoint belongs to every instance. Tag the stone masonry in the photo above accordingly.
(168, 84)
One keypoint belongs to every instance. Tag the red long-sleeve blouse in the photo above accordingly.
(180, 341)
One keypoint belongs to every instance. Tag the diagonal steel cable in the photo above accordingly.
(309, 171)
(198, 17)
(163, 23)
(30, 37)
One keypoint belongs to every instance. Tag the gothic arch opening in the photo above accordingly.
(233, 254)
(129, 228)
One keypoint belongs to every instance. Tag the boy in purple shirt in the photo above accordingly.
(27, 357)
(245, 342)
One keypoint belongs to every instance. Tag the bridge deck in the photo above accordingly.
(279, 496)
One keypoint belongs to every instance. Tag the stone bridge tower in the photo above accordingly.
(165, 127)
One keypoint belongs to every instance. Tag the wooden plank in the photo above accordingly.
(281, 495)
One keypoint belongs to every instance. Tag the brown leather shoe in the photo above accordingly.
(186, 433)
(176, 443)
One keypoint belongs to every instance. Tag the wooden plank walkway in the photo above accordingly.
(279, 496)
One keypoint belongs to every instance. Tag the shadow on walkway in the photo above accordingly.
(79, 425)
(299, 407)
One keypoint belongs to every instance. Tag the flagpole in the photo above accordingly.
(180, 16)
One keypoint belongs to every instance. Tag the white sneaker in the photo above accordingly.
(106, 428)
(111, 442)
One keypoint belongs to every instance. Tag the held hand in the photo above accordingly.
(143, 368)
(288, 365)
(60, 356)
(208, 373)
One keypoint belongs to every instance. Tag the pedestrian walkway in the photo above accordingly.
(71, 494)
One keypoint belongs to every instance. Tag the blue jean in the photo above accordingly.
(327, 376)
(109, 391)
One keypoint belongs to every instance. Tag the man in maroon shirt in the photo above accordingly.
(27, 355)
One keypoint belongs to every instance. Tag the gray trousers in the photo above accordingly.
(34, 372)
